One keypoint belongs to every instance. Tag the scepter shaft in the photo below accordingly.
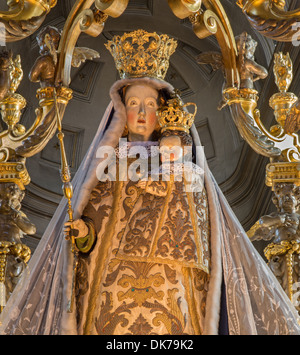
(68, 193)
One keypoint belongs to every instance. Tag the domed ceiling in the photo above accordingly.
(238, 170)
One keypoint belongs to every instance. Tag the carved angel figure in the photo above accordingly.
(283, 224)
(14, 222)
(44, 68)
(14, 225)
(249, 70)
(282, 227)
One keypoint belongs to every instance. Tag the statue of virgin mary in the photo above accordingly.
(173, 263)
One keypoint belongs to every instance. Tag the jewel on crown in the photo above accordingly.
(142, 54)
(175, 116)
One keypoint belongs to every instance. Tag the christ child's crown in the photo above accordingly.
(174, 115)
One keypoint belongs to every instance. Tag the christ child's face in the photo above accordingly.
(170, 149)
(141, 106)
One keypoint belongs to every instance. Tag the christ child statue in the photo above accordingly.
(176, 163)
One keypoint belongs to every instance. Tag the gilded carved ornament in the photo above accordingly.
(242, 99)
(23, 18)
(280, 143)
(282, 227)
(283, 176)
(282, 104)
(212, 20)
(236, 60)
(184, 8)
(270, 18)
(81, 19)
(112, 8)
(240, 95)
(18, 143)
(12, 168)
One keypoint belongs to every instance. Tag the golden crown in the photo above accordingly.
(142, 54)
(175, 117)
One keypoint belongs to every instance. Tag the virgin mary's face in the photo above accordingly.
(141, 105)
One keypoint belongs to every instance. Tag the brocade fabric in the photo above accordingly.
(149, 270)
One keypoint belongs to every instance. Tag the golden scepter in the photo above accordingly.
(68, 193)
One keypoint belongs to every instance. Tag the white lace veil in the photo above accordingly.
(256, 303)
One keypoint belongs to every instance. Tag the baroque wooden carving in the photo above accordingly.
(270, 18)
(23, 18)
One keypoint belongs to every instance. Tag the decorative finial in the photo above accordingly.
(283, 71)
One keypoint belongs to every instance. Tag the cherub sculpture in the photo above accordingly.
(44, 68)
(283, 224)
(14, 225)
(249, 70)
(284, 228)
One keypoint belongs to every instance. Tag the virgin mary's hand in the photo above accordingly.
(77, 229)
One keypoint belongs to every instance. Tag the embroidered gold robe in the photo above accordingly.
(148, 271)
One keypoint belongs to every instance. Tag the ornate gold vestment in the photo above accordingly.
(148, 271)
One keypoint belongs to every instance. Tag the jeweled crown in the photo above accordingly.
(174, 115)
(142, 54)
